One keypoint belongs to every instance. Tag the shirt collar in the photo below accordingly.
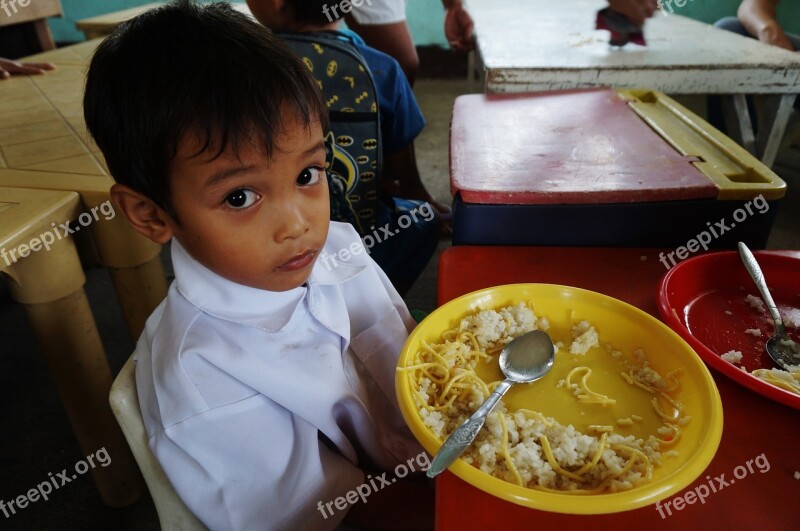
(222, 298)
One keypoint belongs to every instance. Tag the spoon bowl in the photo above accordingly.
(784, 351)
(524, 359)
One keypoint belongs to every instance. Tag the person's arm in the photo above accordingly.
(759, 17)
(637, 11)
(458, 25)
(401, 167)
(9, 67)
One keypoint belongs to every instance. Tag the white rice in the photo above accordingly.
(584, 338)
(733, 357)
(755, 303)
(791, 317)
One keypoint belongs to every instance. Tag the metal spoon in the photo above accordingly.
(781, 349)
(525, 359)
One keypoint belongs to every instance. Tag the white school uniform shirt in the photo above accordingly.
(260, 405)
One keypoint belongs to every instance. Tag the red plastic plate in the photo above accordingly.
(703, 300)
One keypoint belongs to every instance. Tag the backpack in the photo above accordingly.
(354, 157)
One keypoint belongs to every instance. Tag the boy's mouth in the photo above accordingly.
(298, 261)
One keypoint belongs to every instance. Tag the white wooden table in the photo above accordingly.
(540, 45)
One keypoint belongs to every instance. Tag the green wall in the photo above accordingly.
(711, 11)
(425, 16)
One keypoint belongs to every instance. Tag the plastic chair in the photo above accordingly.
(34, 16)
(172, 513)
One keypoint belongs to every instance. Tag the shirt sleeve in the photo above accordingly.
(297, 480)
(401, 117)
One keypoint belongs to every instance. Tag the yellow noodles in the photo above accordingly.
(787, 380)
(588, 396)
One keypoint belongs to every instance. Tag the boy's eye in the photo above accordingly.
(241, 198)
(309, 176)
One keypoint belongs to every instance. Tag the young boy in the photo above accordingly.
(265, 380)
(404, 255)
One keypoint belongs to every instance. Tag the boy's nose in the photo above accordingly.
(292, 222)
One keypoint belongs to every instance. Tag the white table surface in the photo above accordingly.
(535, 45)
(542, 45)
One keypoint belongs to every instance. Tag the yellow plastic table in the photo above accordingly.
(46, 277)
(44, 145)
(102, 25)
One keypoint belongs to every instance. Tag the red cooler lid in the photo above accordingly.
(565, 147)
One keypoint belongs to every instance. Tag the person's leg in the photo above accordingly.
(732, 24)
(392, 39)
(795, 40)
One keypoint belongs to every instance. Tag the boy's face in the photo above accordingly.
(252, 219)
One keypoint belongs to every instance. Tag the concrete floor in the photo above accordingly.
(35, 437)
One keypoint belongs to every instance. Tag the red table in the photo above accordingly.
(753, 425)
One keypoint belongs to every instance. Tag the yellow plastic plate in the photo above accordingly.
(617, 323)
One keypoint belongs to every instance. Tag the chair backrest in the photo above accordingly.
(172, 513)
(34, 16)
(355, 157)
(13, 13)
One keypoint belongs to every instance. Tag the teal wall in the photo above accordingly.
(425, 17)
(712, 10)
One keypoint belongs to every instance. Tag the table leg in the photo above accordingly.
(50, 287)
(43, 36)
(139, 290)
(737, 118)
(771, 131)
(77, 364)
(135, 267)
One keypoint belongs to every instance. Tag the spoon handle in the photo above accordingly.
(460, 439)
(758, 277)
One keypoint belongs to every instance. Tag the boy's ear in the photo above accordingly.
(145, 216)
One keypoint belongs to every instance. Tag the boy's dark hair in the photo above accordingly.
(185, 68)
(315, 12)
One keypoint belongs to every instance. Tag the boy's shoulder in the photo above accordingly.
(170, 358)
